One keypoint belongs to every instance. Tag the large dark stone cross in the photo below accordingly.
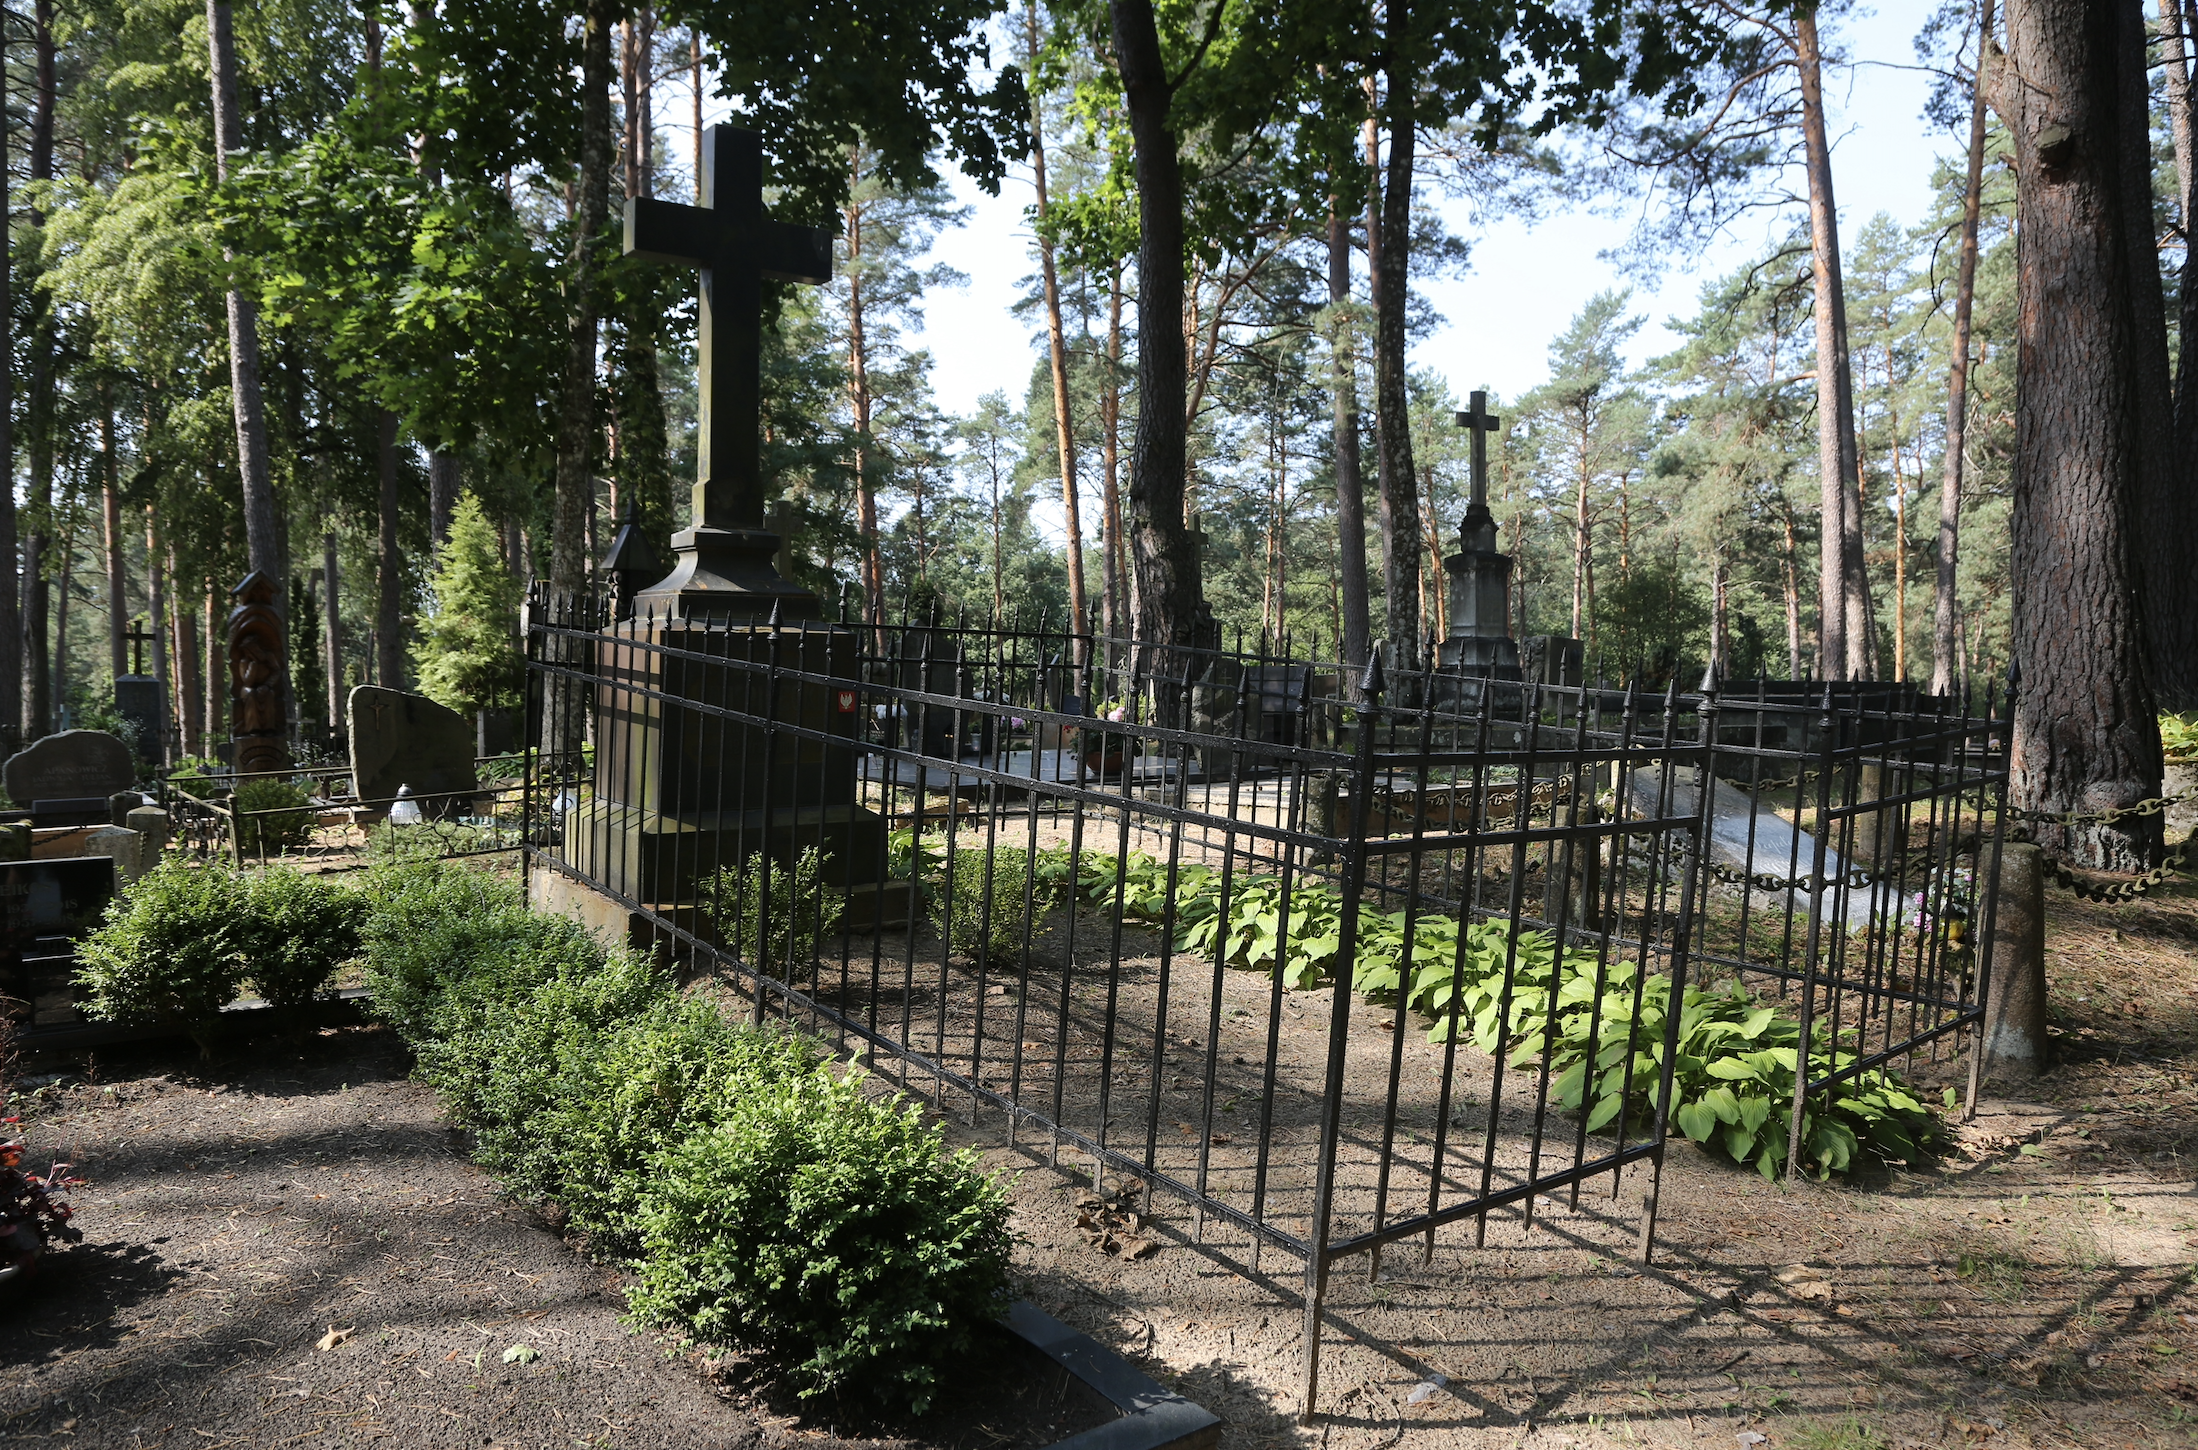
(724, 567)
(1476, 419)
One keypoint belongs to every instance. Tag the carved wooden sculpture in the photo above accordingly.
(259, 721)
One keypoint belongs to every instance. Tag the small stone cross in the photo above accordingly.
(139, 637)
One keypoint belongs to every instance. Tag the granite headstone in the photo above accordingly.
(398, 739)
(73, 773)
(137, 699)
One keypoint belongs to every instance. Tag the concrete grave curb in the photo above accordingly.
(1153, 1416)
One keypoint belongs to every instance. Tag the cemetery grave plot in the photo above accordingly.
(237, 1217)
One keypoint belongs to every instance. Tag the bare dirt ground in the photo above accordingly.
(296, 1252)
(2034, 1288)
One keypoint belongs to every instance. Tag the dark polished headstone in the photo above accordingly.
(44, 905)
(138, 699)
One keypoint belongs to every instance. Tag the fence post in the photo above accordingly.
(1828, 725)
(1339, 1030)
(2013, 1041)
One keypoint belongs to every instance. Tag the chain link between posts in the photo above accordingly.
(2110, 893)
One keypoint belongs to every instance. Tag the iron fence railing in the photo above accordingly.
(1241, 928)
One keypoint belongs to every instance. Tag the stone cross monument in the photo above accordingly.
(1480, 640)
(689, 778)
(723, 567)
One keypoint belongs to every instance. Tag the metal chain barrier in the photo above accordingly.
(2111, 893)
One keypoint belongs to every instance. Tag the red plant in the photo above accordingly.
(30, 1216)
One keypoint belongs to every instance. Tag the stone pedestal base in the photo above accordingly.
(1493, 659)
(657, 860)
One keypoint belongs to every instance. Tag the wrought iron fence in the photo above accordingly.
(1340, 962)
(330, 826)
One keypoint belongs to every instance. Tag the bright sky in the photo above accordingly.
(1526, 281)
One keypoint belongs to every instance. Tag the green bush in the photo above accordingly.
(294, 932)
(978, 908)
(804, 909)
(572, 1092)
(288, 824)
(769, 1204)
(166, 951)
(178, 945)
(830, 1230)
(194, 775)
(440, 931)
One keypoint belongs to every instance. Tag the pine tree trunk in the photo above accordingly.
(214, 678)
(858, 397)
(575, 489)
(1842, 590)
(11, 623)
(1163, 557)
(1118, 609)
(37, 592)
(2086, 737)
(1350, 486)
(262, 524)
(332, 633)
(389, 580)
(1390, 266)
(118, 594)
(156, 625)
(1945, 609)
(1064, 426)
(2167, 509)
(190, 704)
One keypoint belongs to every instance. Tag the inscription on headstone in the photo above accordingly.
(81, 767)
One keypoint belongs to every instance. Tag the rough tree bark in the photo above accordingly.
(1389, 264)
(262, 524)
(1945, 620)
(1842, 586)
(1169, 590)
(156, 624)
(1057, 348)
(11, 626)
(2086, 737)
(575, 490)
(1350, 486)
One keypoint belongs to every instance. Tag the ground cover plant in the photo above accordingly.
(1735, 1060)
(181, 942)
(764, 1199)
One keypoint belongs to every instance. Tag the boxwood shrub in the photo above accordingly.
(829, 1228)
(767, 1201)
(181, 942)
